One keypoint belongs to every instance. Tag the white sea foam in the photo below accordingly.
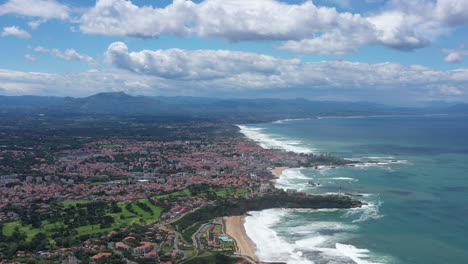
(366, 212)
(343, 179)
(384, 157)
(293, 173)
(316, 226)
(292, 179)
(270, 141)
(270, 247)
(384, 160)
(356, 254)
(378, 161)
(288, 119)
(314, 241)
(381, 164)
(315, 210)
(304, 243)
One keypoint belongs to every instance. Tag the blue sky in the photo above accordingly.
(392, 51)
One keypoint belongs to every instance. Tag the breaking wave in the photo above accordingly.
(302, 236)
(300, 241)
(270, 141)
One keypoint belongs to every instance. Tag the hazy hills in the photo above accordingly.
(124, 104)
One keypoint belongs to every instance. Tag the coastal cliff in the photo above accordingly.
(284, 200)
(277, 200)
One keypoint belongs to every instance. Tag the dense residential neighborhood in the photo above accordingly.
(132, 199)
(123, 170)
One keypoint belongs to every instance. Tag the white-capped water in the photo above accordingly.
(287, 120)
(366, 212)
(304, 241)
(358, 255)
(270, 141)
(343, 179)
(295, 236)
(412, 175)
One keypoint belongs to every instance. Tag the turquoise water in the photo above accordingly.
(417, 193)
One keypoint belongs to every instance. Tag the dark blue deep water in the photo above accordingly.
(417, 193)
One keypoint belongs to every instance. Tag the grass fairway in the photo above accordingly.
(226, 192)
(185, 192)
(124, 218)
(220, 192)
(8, 229)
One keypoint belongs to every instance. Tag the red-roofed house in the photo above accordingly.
(101, 255)
(122, 246)
(144, 248)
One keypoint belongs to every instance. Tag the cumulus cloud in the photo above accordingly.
(233, 20)
(455, 55)
(240, 74)
(15, 31)
(194, 64)
(74, 83)
(68, 55)
(305, 27)
(36, 23)
(334, 43)
(452, 12)
(384, 82)
(244, 69)
(30, 57)
(46, 9)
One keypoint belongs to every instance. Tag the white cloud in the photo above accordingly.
(450, 90)
(46, 9)
(305, 28)
(383, 82)
(195, 64)
(234, 20)
(74, 83)
(68, 55)
(240, 74)
(30, 57)
(455, 55)
(334, 43)
(452, 12)
(15, 31)
(266, 71)
(36, 23)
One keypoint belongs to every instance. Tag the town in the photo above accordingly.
(122, 199)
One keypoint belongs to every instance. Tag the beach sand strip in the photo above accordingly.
(277, 171)
(235, 229)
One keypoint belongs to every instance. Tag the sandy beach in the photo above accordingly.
(235, 229)
(277, 171)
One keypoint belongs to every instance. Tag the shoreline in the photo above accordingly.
(245, 245)
(234, 226)
(277, 171)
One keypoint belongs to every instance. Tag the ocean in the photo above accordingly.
(417, 193)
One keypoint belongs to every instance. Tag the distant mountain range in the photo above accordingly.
(124, 104)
